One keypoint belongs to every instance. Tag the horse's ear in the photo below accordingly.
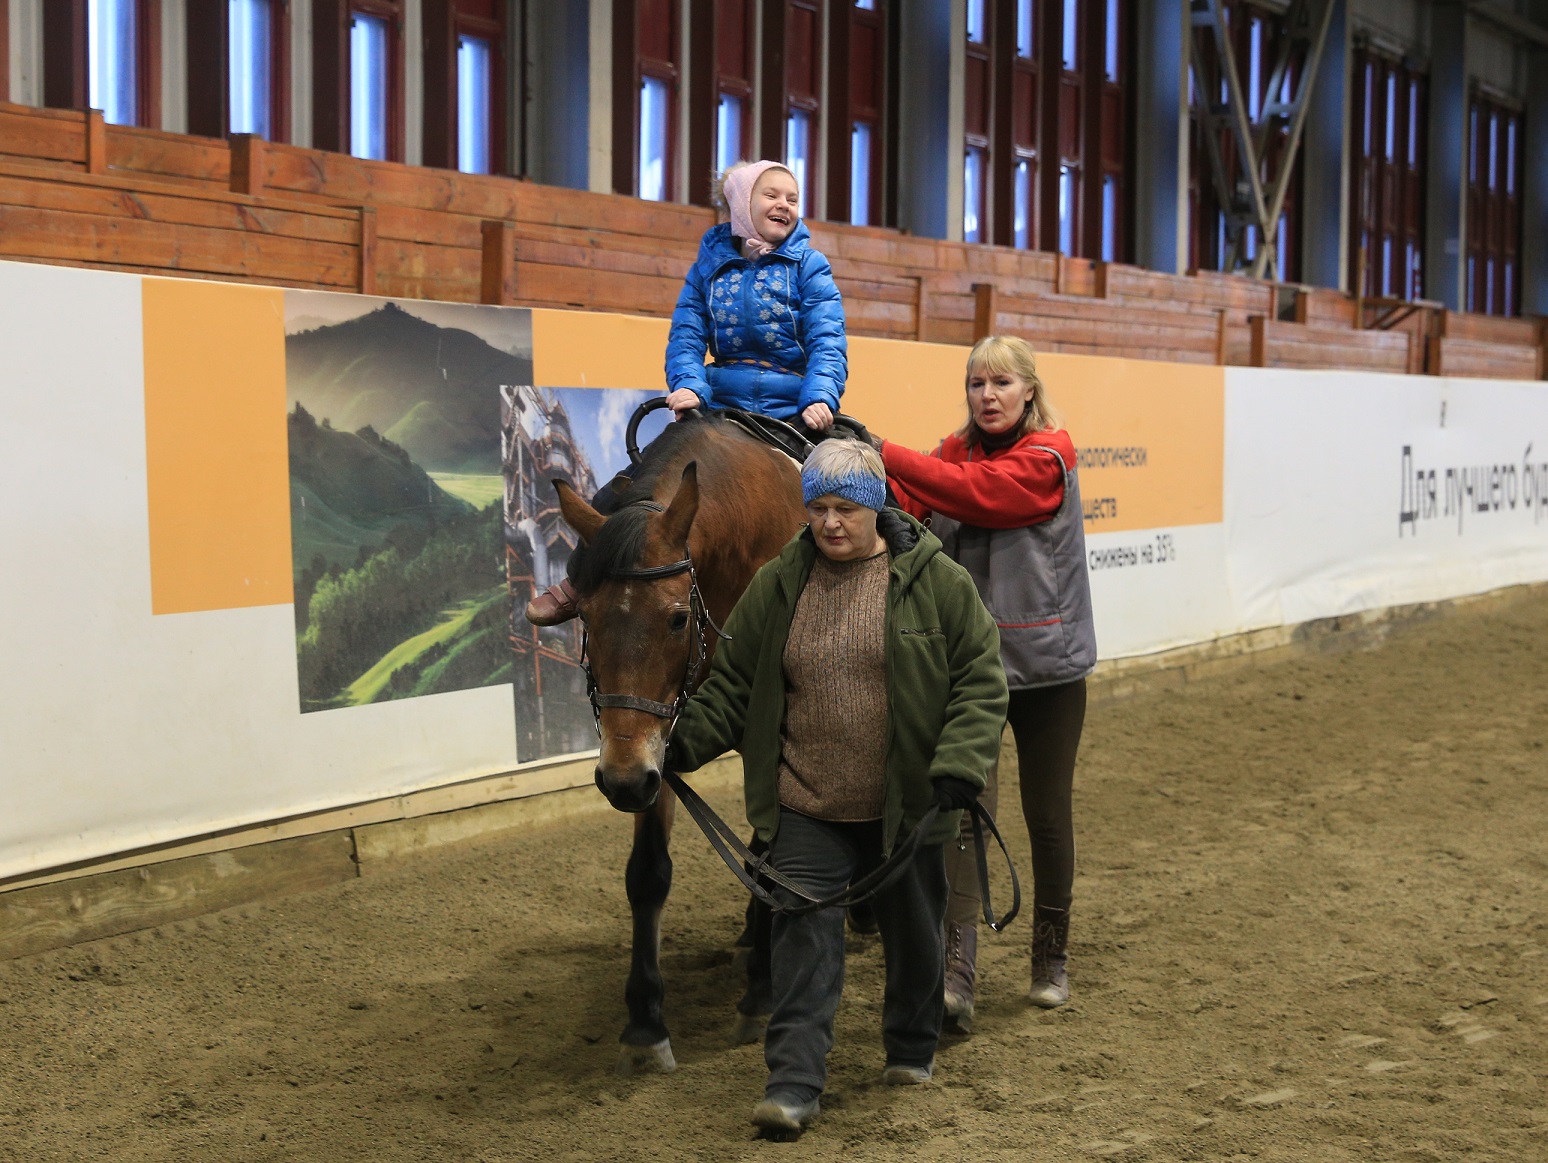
(679, 515)
(581, 517)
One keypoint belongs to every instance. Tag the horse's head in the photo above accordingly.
(643, 633)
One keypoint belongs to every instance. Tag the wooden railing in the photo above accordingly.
(142, 200)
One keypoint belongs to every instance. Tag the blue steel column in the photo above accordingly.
(559, 124)
(1534, 187)
(1445, 232)
(924, 145)
(1160, 151)
(1325, 156)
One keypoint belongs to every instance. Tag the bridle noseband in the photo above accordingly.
(698, 616)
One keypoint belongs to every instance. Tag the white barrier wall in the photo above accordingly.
(150, 692)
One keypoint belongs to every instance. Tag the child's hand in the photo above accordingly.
(818, 417)
(683, 400)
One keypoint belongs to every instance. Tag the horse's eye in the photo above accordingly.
(679, 621)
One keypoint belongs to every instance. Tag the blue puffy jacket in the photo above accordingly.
(775, 328)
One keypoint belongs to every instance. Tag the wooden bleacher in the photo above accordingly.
(75, 191)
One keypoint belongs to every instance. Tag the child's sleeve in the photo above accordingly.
(822, 333)
(689, 338)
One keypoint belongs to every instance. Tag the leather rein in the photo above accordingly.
(750, 868)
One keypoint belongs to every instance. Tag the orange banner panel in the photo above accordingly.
(217, 465)
(1150, 436)
(583, 349)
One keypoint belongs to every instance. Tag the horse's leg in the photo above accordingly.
(752, 1011)
(648, 878)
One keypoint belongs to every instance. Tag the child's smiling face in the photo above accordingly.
(774, 205)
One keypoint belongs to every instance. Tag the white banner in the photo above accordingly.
(1350, 491)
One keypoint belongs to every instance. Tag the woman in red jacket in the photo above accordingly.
(1002, 495)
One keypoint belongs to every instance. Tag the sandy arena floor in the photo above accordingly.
(1310, 925)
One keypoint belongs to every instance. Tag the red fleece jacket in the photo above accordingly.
(1015, 486)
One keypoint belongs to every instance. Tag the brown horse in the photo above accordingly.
(656, 576)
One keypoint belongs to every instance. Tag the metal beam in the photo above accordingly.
(1243, 196)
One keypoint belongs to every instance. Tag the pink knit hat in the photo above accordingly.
(738, 189)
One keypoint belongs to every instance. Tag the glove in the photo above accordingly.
(953, 794)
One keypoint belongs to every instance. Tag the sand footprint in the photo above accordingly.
(1126, 1141)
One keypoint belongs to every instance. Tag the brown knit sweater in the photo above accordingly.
(834, 753)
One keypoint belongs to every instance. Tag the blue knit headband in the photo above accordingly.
(860, 487)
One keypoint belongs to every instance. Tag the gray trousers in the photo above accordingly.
(808, 950)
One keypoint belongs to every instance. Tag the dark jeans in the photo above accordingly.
(1047, 723)
(808, 950)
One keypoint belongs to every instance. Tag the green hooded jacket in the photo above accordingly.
(946, 688)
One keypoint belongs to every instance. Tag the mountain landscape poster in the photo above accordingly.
(396, 494)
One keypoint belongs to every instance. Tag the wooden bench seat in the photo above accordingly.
(108, 221)
(1480, 358)
(1295, 345)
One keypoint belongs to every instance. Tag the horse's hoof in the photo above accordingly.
(656, 1059)
(748, 1028)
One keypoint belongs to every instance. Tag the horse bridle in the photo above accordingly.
(699, 619)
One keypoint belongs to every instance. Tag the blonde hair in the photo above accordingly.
(842, 456)
(718, 184)
(1010, 355)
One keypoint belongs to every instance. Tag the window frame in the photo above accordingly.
(445, 22)
(850, 27)
(331, 80)
(630, 67)
(1494, 205)
(67, 55)
(1387, 194)
(208, 40)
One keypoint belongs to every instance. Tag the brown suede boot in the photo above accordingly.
(554, 605)
(961, 972)
(1050, 939)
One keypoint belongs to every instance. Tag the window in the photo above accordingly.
(105, 54)
(976, 125)
(357, 73)
(368, 82)
(250, 67)
(977, 29)
(973, 195)
(113, 57)
(1023, 236)
(464, 85)
(728, 67)
(1047, 109)
(655, 134)
(1493, 206)
(860, 157)
(646, 65)
(860, 98)
(803, 93)
(238, 68)
(729, 121)
(474, 55)
(798, 148)
(1387, 181)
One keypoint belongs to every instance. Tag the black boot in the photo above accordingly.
(1050, 937)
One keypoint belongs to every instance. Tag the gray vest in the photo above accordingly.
(1034, 581)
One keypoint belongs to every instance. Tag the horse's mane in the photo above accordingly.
(621, 538)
